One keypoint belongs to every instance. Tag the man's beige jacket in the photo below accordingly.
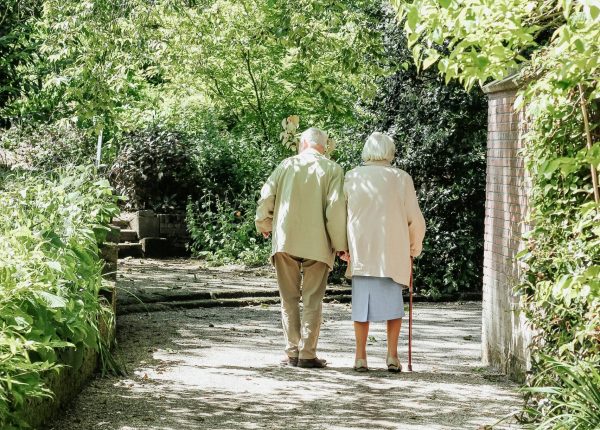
(303, 204)
(385, 225)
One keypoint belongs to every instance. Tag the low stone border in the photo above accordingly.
(66, 384)
(78, 366)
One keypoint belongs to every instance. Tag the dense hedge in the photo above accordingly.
(440, 132)
(50, 276)
(561, 282)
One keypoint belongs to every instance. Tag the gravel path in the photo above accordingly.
(218, 368)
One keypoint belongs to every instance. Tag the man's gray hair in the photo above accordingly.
(379, 147)
(313, 136)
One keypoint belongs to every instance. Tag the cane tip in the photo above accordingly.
(410, 367)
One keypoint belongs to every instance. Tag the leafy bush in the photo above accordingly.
(16, 47)
(221, 220)
(50, 275)
(561, 286)
(155, 169)
(46, 146)
(223, 232)
(229, 165)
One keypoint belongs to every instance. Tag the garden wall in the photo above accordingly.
(504, 337)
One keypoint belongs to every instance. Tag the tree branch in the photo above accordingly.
(588, 135)
(259, 106)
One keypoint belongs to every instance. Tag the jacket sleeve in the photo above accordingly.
(416, 222)
(335, 212)
(266, 204)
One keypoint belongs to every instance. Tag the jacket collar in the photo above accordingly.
(311, 151)
(378, 163)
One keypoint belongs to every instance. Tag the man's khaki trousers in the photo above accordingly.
(299, 277)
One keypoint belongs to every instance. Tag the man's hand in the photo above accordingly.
(344, 256)
(266, 234)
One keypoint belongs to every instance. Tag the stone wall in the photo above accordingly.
(504, 335)
(174, 228)
(159, 235)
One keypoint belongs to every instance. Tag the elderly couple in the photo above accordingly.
(371, 219)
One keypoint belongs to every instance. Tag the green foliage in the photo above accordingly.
(46, 146)
(221, 219)
(88, 62)
(472, 53)
(16, 47)
(574, 403)
(224, 232)
(560, 287)
(50, 275)
(259, 61)
(231, 166)
(109, 65)
(155, 170)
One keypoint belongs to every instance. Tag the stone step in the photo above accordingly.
(114, 235)
(170, 294)
(128, 303)
(130, 250)
(128, 235)
(156, 247)
(109, 252)
(211, 303)
(121, 223)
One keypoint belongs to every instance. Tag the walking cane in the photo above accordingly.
(410, 314)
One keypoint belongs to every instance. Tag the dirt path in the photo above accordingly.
(218, 368)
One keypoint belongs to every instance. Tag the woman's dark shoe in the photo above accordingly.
(312, 363)
(360, 365)
(393, 364)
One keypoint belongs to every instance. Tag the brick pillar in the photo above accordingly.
(504, 336)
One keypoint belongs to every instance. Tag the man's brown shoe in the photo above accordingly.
(312, 363)
(290, 361)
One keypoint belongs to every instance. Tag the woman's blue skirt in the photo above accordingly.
(376, 299)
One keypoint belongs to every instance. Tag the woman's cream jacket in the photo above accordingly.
(385, 224)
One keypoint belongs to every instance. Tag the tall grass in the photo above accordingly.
(573, 403)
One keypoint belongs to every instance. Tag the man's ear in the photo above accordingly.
(302, 146)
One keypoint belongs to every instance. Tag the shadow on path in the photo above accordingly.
(215, 368)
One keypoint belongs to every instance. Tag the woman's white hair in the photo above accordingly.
(379, 147)
(313, 136)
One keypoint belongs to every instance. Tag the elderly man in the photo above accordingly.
(302, 204)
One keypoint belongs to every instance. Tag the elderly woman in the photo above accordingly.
(385, 231)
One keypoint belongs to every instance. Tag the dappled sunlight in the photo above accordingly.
(219, 369)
